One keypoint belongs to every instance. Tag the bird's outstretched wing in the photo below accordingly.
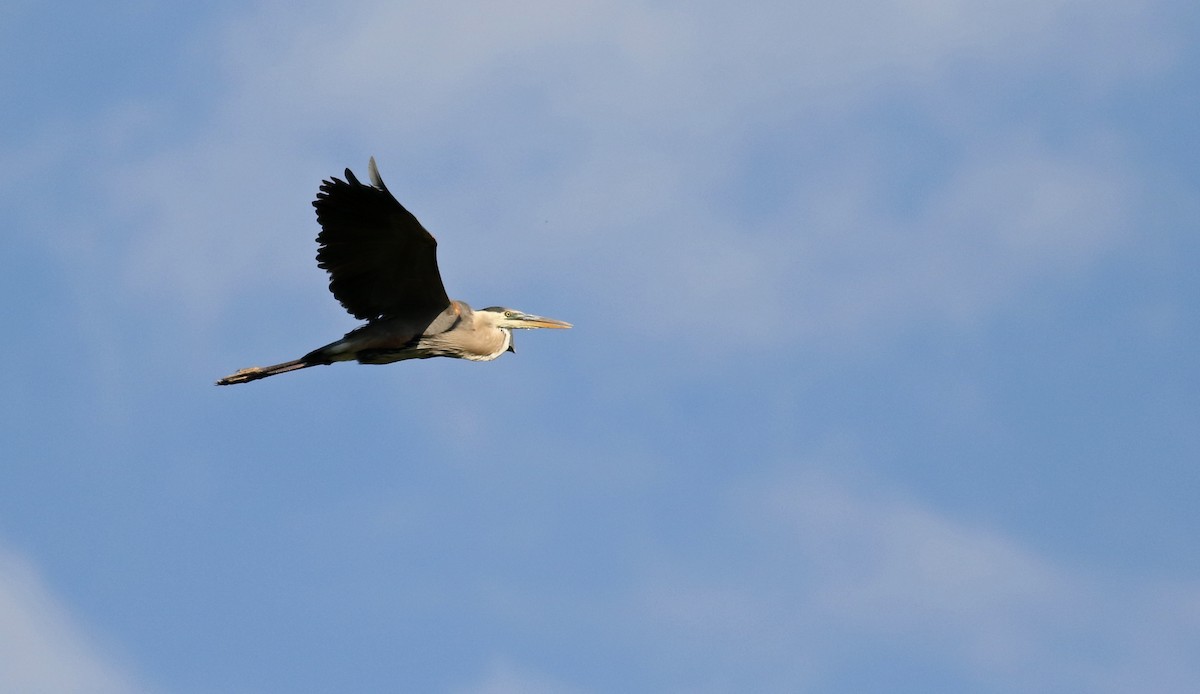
(380, 260)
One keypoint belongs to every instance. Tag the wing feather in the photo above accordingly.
(381, 261)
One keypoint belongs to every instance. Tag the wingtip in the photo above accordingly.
(373, 170)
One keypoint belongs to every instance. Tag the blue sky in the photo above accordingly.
(883, 375)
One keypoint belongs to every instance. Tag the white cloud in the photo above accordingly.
(896, 567)
(503, 677)
(591, 147)
(796, 579)
(42, 649)
(650, 109)
(1015, 216)
(828, 567)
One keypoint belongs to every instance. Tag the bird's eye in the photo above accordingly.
(510, 314)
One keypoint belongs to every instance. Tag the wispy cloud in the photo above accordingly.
(504, 677)
(42, 648)
(607, 138)
(829, 566)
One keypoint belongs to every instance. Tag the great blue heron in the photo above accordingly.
(383, 269)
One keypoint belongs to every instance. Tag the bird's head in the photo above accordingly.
(511, 318)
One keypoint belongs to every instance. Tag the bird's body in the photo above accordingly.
(383, 268)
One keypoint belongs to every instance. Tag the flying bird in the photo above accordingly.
(382, 267)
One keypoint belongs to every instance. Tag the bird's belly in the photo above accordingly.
(388, 356)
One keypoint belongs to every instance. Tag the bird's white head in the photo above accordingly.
(506, 320)
(511, 318)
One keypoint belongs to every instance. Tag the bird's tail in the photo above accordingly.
(254, 373)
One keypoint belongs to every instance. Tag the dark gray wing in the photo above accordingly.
(380, 260)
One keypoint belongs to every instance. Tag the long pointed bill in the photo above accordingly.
(526, 321)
